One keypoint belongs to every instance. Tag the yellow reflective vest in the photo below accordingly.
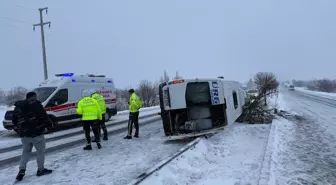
(101, 101)
(134, 103)
(89, 109)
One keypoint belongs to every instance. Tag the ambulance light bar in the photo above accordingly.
(176, 81)
(64, 75)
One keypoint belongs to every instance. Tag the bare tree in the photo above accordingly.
(165, 77)
(122, 99)
(324, 85)
(2, 97)
(15, 94)
(177, 76)
(266, 82)
(147, 92)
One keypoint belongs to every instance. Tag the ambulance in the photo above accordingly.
(60, 96)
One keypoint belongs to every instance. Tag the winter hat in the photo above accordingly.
(30, 95)
(131, 91)
(86, 92)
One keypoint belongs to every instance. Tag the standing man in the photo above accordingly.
(134, 105)
(101, 101)
(91, 115)
(32, 121)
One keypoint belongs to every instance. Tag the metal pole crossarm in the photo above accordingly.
(41, 24)
(41, 9)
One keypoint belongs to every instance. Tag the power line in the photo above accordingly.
(15, 20)
(30, 9)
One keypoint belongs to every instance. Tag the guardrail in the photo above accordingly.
(12, 154)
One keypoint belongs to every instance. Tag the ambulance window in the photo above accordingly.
(59, 98)
(43, 93)
(235, 99)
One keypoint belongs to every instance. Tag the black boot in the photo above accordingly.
(99, 145)
(105, 138)
(136, 135)
(21, 174)
(128, 137)
(87, 147)
(45, 171)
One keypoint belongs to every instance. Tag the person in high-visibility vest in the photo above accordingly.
(91, 115)
(102, 105)
(134, 105)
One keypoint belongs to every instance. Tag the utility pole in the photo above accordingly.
(41, 24)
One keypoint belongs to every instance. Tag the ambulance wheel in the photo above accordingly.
(54, 121)
(107, 116)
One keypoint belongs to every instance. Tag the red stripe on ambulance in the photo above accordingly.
(61, 107)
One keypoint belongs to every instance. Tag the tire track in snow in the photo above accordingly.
(118, 162)
(308, 154)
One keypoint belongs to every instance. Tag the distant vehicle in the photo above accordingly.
(196, 107)
(60, 97)
(291, 88)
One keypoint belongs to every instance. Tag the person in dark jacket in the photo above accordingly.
(32, 122)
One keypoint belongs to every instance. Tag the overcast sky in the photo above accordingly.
(134, 40)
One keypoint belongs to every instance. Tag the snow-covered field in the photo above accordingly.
(117, 163)
(316, 93)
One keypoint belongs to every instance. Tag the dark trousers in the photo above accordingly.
(133, 118)
(94, 124)
(103, 126)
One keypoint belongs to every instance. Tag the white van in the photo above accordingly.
(194, 107)
(60, 96)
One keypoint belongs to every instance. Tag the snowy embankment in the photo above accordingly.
(3, 110)
(142, 109)
(231, 157)
(316, 93)
(2, 114)
(241, 154)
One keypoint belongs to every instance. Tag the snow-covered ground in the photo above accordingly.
(316, 93)
(285, 152)
(2, 114)
(117, 163)
(234, 156)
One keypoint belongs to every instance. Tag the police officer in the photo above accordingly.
(101, 101)
(134, 105)
(91, 115)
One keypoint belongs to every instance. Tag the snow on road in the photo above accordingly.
(285, 152)
(118, 162)
(305, 151)
(316, 93)
(234, 156)
(10, 138)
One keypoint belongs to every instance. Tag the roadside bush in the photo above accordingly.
(255, 109)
